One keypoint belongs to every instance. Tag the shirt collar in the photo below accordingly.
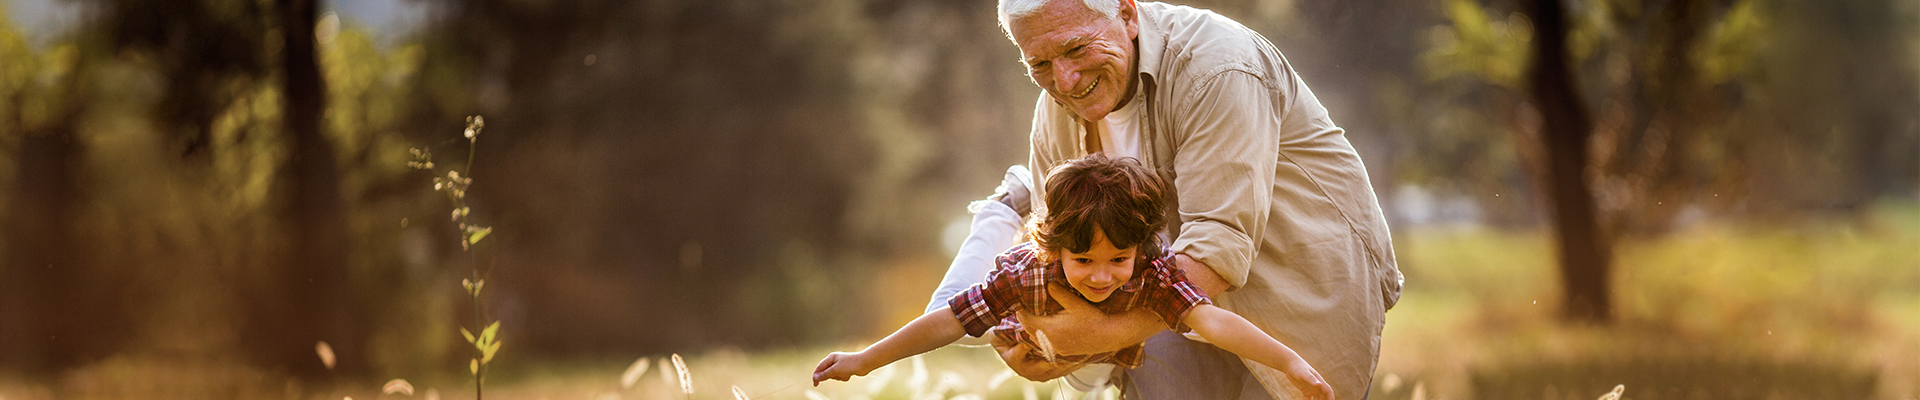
(1148, 45)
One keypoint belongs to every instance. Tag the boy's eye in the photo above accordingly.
(1118, 260)
(1083, 260)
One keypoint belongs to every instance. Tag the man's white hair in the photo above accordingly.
(1015, 9)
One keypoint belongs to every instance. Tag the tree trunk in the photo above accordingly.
(1584, 253)
(313, 303)
(37, 263)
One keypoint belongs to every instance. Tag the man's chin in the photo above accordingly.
(1082, 110)
(1091, 113)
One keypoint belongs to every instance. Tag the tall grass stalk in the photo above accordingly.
(455, 186)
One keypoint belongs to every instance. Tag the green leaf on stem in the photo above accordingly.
(476, 234)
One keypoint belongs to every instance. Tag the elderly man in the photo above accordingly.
(1273, 214)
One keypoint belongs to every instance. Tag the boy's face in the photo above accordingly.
(1100, 270)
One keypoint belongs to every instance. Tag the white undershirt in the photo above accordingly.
(1122, 137)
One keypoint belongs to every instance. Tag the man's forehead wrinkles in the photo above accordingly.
(1060, 48)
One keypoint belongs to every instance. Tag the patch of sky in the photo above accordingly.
(390, 21)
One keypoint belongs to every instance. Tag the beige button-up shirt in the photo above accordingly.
(1267, 190)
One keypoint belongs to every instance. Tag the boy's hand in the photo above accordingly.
(840, 366)
(1308, 380)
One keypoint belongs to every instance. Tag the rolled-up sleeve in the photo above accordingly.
(982, 306)
(1224, 171)
(1016, 283)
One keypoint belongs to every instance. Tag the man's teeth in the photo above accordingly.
(1089, 89)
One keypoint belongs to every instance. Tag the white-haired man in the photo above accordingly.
(1273, 214)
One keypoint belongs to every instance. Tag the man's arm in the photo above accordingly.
(1082, 329)
(1227, 135)
(1079, 329)
(1201, 275)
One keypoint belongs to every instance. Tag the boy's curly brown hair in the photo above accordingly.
(1117, 196)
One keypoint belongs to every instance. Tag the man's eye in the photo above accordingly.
(1076, 49)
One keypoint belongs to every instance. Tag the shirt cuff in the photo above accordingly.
(1227, 251)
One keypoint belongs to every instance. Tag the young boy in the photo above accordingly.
(1099, 239)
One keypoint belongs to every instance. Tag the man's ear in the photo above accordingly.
(1130, 14)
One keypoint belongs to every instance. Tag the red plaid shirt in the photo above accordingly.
(1020, 283)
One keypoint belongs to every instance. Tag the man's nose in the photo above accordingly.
(1067, 74)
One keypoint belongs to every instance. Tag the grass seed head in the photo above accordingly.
(634, 372)
(686, 379)
(397, 386)
(1046, 346)
(879, 380)
(326, 353)
(1615, 394)
(999, 380)
(917, 383)
(665, 377)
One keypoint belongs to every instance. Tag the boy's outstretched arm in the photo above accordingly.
(934, 329)
(1233, 333)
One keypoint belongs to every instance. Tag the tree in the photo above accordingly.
(58, 315)
(317, 303)
(1584, 253)
(218, 56)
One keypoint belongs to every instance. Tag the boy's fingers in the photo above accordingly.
(825, 363)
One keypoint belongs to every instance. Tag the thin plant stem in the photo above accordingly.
(473, 272)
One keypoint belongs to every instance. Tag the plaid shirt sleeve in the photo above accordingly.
(1010, 287)
(1169, 295)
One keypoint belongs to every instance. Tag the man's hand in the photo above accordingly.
(1018, 358)
(1083, 329)
(840, 366)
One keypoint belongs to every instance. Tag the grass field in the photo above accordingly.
(1807, 309)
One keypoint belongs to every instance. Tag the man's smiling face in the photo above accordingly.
(1082, 59)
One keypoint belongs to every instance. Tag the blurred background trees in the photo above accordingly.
(667, 175)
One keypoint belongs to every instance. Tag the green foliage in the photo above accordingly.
(1733, 44)
(1479, 45)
